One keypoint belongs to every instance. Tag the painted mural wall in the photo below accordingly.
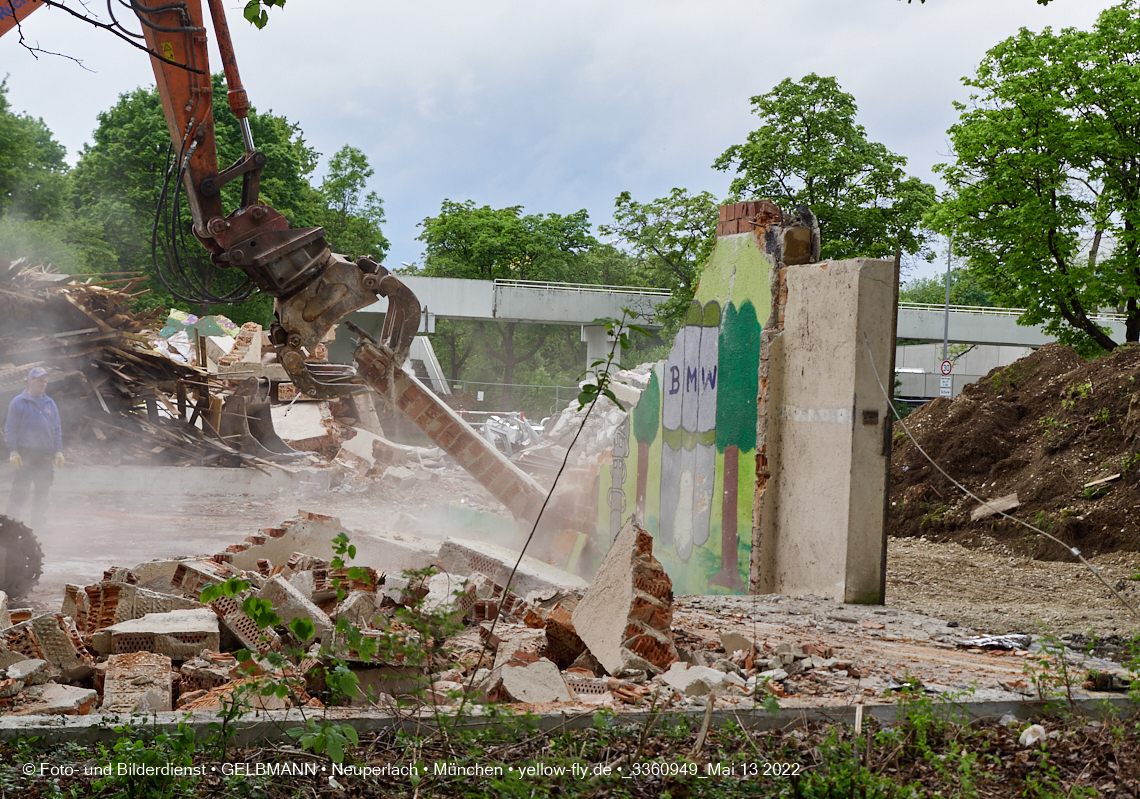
(684, 461)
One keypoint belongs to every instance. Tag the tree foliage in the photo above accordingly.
(118, 180)
(809, 150)
(482, 243)
(352, 216)
(1045, 186)
(671, 238)
(965, 289)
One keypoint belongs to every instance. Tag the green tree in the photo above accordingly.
(119, 178)
(965, 289)
(1045, 187)
(809, 151)
(36, 219)
(351, 217)
(671, 238)
(484, 243)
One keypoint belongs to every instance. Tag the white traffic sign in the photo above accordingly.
(947, 367)
(945, 382)
(945, 391)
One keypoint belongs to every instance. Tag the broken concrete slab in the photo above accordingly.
(629, 605)
(32, 672)
(137, 678)
(465, 556)
(399, 478)
(180, 634)
(52, 699)
(290, 603)
(307, 532)
(694, 680)
(395, 553)
(51, 637)
(358, 608)
(515, 639)
(994, 507)
(112, 602)
(734, 642)
(245, 629)
(535, 683)
(5, 617)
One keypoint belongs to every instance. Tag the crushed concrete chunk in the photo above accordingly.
(462, 556)
(32, 672)
(629, 606)
(181, 634)
(535, 682)
(5, 617)
(50, 637)
(358, 608)
(136, 679)
(291, 604)
(53, 699)
(110, 603)
(694, 680)
(734, 642)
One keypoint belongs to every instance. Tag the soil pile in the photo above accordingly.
(1045, 428)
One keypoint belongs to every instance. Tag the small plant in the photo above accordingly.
(934, 515)
(1043, 521)
(1128, 461)
(1096, 492)
(1102, 416)
(1052, 431)
(1080, 390)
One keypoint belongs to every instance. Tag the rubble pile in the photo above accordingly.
(142, 640)
(122, 400)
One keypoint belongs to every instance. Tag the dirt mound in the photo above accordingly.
(1044, 428)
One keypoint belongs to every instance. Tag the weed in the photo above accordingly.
(1102, 416)
(933, 516)
(1052, 431)
(1080, 390)
(1043, 521)
(1128, 461)
(1096, 492)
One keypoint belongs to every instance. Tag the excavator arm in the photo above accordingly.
(313, 288)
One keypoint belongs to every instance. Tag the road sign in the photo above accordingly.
(945, 391)
(945, 382)
(947, 367)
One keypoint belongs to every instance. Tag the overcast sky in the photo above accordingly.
(554, 107)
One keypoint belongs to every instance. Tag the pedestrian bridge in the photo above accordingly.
(543, 302)
(546, 302)
(975, 325)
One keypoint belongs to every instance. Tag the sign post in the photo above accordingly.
(946, 382)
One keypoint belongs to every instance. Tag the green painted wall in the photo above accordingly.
(704, 399)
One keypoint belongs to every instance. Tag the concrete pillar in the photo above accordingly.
(598, 345)
(829, 428)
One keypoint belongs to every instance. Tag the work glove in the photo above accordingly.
(15, 460)
(58, 460)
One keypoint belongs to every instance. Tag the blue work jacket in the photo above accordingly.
(33, 424)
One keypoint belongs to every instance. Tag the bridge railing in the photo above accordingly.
(988, 311)
(581, 288)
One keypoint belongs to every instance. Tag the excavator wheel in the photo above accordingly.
(21, 559)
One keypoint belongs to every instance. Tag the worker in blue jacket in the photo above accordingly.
(35, 441)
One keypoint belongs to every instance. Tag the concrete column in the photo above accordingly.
(823, 521)
(598, 345)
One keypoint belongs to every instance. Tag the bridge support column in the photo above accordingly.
(598, 345)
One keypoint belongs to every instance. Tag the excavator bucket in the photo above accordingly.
(247, 425)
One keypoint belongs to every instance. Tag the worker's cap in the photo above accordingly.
(38, 371)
